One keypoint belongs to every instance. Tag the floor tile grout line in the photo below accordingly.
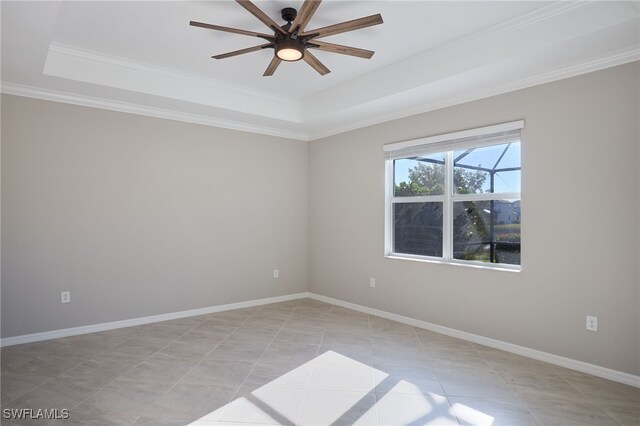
(192, 368)
(103, 352)
(526, 404)
(596, 404)
(313, 369)
(52, 379)
(415, 332)
(242, 324)
(497, 373)
(93, 358)
(199, 362)
(233, 397)
(132, 368)
(474, 346)
(375, 394)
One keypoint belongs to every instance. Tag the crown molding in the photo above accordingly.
(619, 58)
(540, 30)
(346, 107)
(536, 16)
(137, 109)
(79, 64)
(467, 44)
(168, 72)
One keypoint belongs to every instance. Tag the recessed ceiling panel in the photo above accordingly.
(157, 33)
(144, 57)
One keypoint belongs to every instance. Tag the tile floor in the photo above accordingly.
(299, 362)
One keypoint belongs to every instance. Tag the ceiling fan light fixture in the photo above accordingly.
(289, 50)
(292, 40)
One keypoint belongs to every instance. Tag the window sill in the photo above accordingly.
(424, 259)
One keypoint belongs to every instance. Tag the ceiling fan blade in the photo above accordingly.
(342, 27)
(304, 15)
(315, 63)
(242, 51)
(231, 30)
(272, 66)
(338, 48)
(255, 11)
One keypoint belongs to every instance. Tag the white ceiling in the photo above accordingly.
(143, 57)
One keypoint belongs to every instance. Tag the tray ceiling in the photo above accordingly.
(144, 58)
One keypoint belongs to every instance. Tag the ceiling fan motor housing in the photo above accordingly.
(290, 48)
(289, 14)
(291, 41)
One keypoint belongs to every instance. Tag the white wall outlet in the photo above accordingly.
(592, 323)
(372, 282)
(276, 273)
(65, 297)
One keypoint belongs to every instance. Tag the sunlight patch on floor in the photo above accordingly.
(414, 408)
(472, 416)
(333, 388)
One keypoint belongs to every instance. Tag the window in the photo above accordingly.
(456, 197)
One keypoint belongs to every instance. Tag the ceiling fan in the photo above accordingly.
(291, 41)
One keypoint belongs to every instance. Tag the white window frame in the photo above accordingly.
(444, 143)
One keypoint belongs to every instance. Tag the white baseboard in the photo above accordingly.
(572, 364)
(66, 332)
(595, 370)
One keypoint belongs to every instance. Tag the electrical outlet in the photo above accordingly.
(276, 273)
(592, 323)
(65, 297)
(372, 282)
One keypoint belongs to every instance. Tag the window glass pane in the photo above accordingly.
(417, 228)
(468, 181)
(511, 158)
(487, 231)
(487, 170)
(422, 175)
(507, 181)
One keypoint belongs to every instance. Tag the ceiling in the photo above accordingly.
(143, 58)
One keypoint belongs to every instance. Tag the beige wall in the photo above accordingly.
(139, 216)
(580, 210)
